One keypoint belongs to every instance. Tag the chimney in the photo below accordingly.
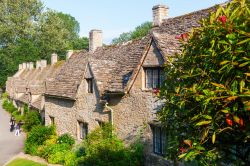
(31, 65)
(160, 12)
(69, 53)
(24, 65)
(43, 63)
(53, 58)
(38, 64)
(20, 67)
(95, 39)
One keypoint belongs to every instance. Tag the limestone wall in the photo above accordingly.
(68, 113)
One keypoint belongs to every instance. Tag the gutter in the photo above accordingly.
(111, 112)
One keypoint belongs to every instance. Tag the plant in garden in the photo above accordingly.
(103, 148)
(36, 137)
(32, 118)
(66, 139)
(207, 96)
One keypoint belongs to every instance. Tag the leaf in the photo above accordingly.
(188, 142)
(244, 41)
(242, 85)
(248, 74)
(231, 98)
(218, 85)
(207, 117)
(224, 62)
(182, 155)
(213, 138)
(203, 123)
(236, 119)
(243, 64)
(225, 111)
(195, 117)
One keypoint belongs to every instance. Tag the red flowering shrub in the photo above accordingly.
(207, 91)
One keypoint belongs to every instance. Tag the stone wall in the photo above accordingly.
(68, 113)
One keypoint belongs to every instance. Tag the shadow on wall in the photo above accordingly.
(61, 102)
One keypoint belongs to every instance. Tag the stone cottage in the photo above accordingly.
(115, 84)
(27, 86)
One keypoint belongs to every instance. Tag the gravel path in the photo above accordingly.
(10, 145)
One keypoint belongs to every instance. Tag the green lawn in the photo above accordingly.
(24, 162)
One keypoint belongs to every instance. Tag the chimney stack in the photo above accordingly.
(53, 58)
(95, 39)
(69, 53)
(43, 64)
(160, 12)
(24, 65)
(31, 65)
(38, 64)
(20, 67)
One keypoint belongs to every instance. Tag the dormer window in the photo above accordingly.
(90, 85)
(154, 77)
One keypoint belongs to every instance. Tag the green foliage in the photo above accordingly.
(57, 153)
(66, 139)
(207, 94)
(32, 118)
(37, 136)
(24, 162)
(139, 32)
(4, 96)
(103, 148)
(28, 33)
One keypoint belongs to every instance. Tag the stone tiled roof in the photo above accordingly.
(112, 66)
(24, 98)
(184, 23)
(66, 82)
(38, 103)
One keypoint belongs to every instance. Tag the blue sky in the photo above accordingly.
(114, 17)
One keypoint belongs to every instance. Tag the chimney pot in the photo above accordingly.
(38, 64)
(31, 65)
(160, 12)
(95, 39)
(69, 53)
(54, 58)
(43, 63)
(20, 67)
(24, 65)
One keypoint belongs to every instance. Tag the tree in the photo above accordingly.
(139, 32)
(28, 33)
(207, 96)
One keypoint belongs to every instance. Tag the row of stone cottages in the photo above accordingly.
(106, 84)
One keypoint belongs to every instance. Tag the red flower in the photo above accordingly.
(182, 150)
(178, 37)
(223, 19)
(156, 91)
(184, 35)
(229, 122)
(241, 122)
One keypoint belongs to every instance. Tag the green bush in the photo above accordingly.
(66, 139)
(32, 119)
(103, 148)
(207, 89)
(57, 153)
(37, 136)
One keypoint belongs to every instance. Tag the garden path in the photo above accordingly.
(10, 145)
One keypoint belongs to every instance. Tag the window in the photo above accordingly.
(90, 85)
(83, 130)
(154, 77)
(52, 120)
(159, 140)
